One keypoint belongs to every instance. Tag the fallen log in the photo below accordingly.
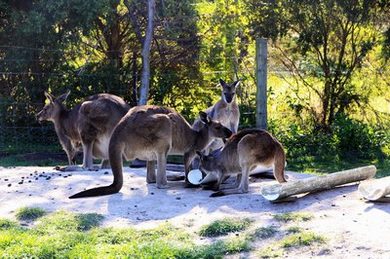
(278, 192)
(375, 189)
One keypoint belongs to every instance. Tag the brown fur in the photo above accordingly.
(242, 153)
(151, 133)
(88, 126)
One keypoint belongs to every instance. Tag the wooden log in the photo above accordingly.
(375, 189)
(277, 192)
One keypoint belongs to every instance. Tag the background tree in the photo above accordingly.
(322, 43)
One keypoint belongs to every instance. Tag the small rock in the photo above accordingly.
(105, 172)
(48, 178)
(29, 181)
(6, 180)
(152, 193)
(36, 178)
(20, 182)
(9, 185)
(65, 176)
(178, 198)
(30, 194)
(22, 177)
(69, 174)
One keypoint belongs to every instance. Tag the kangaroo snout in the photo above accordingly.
(228, 132)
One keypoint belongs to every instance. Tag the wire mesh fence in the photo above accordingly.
(20, 132)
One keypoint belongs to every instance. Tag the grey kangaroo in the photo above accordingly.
(242, 153)
(151, 133)
(88, 126)
(225, 111)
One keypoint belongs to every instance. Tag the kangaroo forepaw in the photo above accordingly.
(217, 194)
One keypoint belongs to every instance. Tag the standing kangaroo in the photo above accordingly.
(88, 125)
(225, 111)
(151, 133)
(242, 153)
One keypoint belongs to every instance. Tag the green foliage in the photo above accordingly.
(302, 239)
(7, 224)
(265, 232)
(30, 213)
(64, 221)
(68, 235)
(323, 44)
(294, 230)
(293, 216)
(224, 227)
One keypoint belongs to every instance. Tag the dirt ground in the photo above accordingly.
(353, 227)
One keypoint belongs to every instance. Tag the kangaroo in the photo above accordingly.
(242, 153)
(225, 111)
(151, 133)
(88, 126)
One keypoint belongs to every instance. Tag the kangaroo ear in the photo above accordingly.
(237, 83)
(49, 97)
(222, 82)
(62, 97)
(204, 117)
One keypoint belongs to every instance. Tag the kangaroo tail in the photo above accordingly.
(115, 154)
(280, 160)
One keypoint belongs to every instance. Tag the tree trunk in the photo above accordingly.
(145, 79)
(277, 192)
(134, 95)
(375, 189)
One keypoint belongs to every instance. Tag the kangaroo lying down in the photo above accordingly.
(88, 126)
(151, 133)
(242, 153)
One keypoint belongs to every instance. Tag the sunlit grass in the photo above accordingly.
(30, 213)
(224, 226)
(293, 216)
(68, 235)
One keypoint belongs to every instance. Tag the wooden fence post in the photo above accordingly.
(261, 82)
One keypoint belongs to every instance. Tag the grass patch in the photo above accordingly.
(293, 216)
(270, 252)
(7, 224)
(265, 232)
(301, 239)
(224, 227)
(68, 235)
(294, 230)
(30, 213)
(296, 240)
(63, 221)
(324, 165)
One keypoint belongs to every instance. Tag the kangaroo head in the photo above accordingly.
(228, 90)
(53, 108)
(215, 128)
(208, 163)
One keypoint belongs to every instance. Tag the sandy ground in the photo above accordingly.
(354, 228)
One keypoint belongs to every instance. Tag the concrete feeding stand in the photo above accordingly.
(285, 191)
(376, 189)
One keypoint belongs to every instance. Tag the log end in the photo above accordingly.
(271, 192)
(371, 192)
